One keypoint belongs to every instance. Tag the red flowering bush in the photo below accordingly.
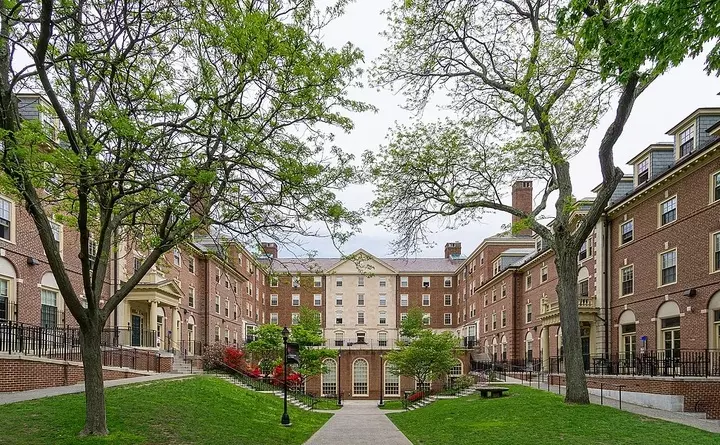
(293, 378)
(235, 358)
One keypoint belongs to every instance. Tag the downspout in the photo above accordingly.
(207, 299)
(606, 287)
(116, 285)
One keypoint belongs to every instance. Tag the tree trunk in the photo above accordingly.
(575, 382)
(95, 420)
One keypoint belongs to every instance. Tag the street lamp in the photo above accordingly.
(382, 381)
(285, 421)
(339, 402)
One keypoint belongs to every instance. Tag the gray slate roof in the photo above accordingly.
(408, 265)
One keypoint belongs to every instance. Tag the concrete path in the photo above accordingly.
(690, 419)
(359, 422)
(20, 396)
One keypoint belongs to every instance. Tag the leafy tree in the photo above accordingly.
(173, 116)
(412, 326)
(427, 357)
(527, 81)
(307, 333)
(267, 347)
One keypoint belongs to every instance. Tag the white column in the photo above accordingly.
(175, 329)
(152, 324)
(545, 338)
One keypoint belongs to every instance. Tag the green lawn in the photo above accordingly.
(325, 403)
(392, 404)
(530, 416)
(199, 410)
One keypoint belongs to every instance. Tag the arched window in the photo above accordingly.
(392, 381)
(486, 347)
(583, 287)
(494, 349)
(628, 340)
(360, 377)
(456, 371)
(51, 315)
(329, 378)
(714, 320)
(529, 346)
(7, 290)
(503, 348)
(668, 328)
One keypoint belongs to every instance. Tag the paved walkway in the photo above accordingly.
(359, 422)
(20, 396)
(690, 419)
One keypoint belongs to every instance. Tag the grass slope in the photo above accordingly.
(200, 410)
(529, 416)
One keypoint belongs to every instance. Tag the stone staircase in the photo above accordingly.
(279, 394)
(180, 366)
(428, 400)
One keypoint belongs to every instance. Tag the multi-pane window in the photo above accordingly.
(687, 139)
(497, 267)
(628, 341)
(668, 267)
(361, 299)
(338, 281)
(494, 321)
(627, 232)
(392, 381)
(485, 324)
(503, 291)
(382, 338)
(382, 282)
(339, 338)
(177, 257)
(447, 319)
(426, 319)
(403, 281)
(627, 280)
(273, 318)
(48, 309)
(217, 304)
(361, 318)
(715, 189)
(56, 231)
(716, 252)
(668, 211)
(295, 282)
(670, 330)
(485, 300)
(4, 309)
(274, 281)
(528, 313)
(403, 300)
(503, 319)
(273, 300)
(447, 282)
(191, 264)
(448, 300)
(403, 316)
(360, 378)
(528, 281)
(6, 214)
(426, 281)
(338, 317)
(361, 281)
(296, 299)
(494, 295)
(382, 300)
(583, 290)
(382, 320)
(227, 307)
(585, 250)
(426, 300)
(543, 274)
(338, 300)
(317, 281)
(329, 378)
(295, 318)
(317, 300)
(643, 170)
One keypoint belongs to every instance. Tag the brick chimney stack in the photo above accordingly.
(522, 199)
(270, 249)
(453, 249)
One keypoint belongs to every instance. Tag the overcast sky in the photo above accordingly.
(667, 101)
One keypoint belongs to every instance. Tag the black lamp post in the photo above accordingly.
(382, 381)
(339, 402)
(285, 421)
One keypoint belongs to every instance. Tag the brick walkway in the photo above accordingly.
(20, 396)
(359, 422)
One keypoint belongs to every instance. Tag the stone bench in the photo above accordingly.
(491, 391)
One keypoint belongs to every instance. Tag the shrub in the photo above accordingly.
(235, 358)
(213, 356)
(464, 381)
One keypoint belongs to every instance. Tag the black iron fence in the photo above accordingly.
(666, 363)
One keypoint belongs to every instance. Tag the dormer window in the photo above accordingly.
(687, 141)
(538, 244)
(643, 171)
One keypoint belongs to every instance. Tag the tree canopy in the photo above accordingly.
(427, 357)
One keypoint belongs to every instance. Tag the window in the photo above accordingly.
(627, 280)
(447, 318)
(628, 340)
(403, 281)
(295, 318)
(217, 275)
(392, 381)
(447, 282)
(296, 300)
(687, 139)
(403, 300)
(643, 171)
(494, 295)
(382, 300)
(227, 284)
(503, 291)
(668, 211)
(528, 313)
(382, 282)
(426, 300)
(361, 318)
(191, 297)
(317, 282)
(191, 264)
(528, 280)
(274, 281)
(338, 281)
(273, 300)
(137, 263)
(360, 378)
(338, 317)
(585, 250)
(543, 274)
(57, 234)
(339, 338)
(403, 316)
(670, 331)
(227, 336)
(48, 308)
(448, 300)
(273, 318)
(6, 217)
(715, 263)
(583, 288)
(715, 187)
(426, 281)
(361, 281)
(426, 319)
(382, 338)
(217, 304)
(217, 333)
(317, 300)
(177, 257)
(485, 324)
(494, 321)
(626, 232)
(360, 338)
(497, 267)
(382, 320)
(361, 299)
(329, 378)
(503, 319)
(227, 308)
(4, 309)
(668, 267)
(296, 282)
(338, 300)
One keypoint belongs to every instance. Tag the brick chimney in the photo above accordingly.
(453, 249)
(270, 249)
(522, 199)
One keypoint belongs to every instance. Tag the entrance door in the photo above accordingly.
(585, 344)
(191, 340)
(136, 323)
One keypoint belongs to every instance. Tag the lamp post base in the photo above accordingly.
(285, 421)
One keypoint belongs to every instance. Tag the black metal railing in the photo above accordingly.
(139, 338)
(469, 342)
(8, 310)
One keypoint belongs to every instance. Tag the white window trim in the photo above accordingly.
(292, 302)
(547, 274)
(445, 282)
(620, 232)
(637, 170)
(13, 220)
(428, 300)
(620, 281)
(445, 321)
(407, 300)
(659, 212)
(317, 298)
(61, 235)
(317, 280)
(678, 139)
(529, 274)
(712, 187)
(659, 268)
(277, 299)
(445, 300)
(711, 262)
(407, 281)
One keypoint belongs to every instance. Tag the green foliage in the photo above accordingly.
(267, 347)
(308, 335)
(412, 326)
(213, 356)
(427, 357)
